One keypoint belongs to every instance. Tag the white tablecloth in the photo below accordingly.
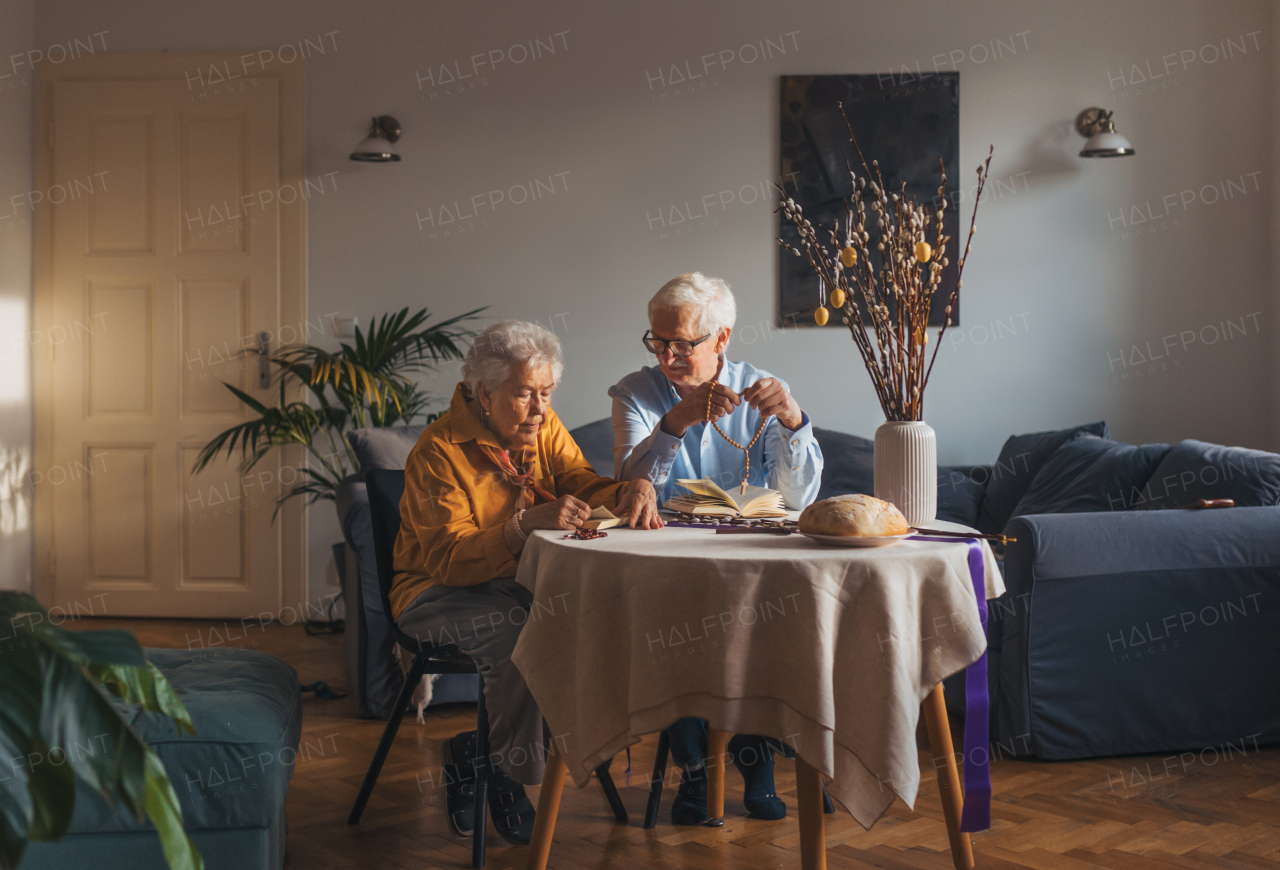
(830, 649)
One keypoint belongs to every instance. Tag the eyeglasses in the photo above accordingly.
(679, 347)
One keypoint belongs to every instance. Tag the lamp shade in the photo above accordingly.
(379, 146)
(1107, 144)
(375, 150)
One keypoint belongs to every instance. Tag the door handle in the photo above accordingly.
(263, 350)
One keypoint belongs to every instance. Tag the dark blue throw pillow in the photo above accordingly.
(848, 463)
(1020, 461)
(595, 440)
(1092, 474)
(960, 492)
(1193, 470)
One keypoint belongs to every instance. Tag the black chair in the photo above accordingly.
(386, 488)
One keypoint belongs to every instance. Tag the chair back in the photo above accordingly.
(385, 488)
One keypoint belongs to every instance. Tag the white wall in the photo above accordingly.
(17, 35)
(1047, 261)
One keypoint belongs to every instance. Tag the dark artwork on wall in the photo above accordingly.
(907, 127)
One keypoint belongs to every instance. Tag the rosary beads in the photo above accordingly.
(745, 450)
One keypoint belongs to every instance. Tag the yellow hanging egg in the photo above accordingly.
(921, 336)
(849, 256)
(837, 298)
(923, 252)
(820, 316)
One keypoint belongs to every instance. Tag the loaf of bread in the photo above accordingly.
(853, 515)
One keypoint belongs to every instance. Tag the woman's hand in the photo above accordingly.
(639, 503)
(566, 512)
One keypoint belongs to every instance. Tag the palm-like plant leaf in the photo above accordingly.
(55, 714)
(364, 383)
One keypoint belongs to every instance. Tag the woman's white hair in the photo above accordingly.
(499, 349)
(710, 297)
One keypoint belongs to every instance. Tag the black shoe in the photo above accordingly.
(690, 805)
(512, 812)
(456, 756)
(753, 756)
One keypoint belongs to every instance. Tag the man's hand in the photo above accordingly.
(566, 512)
(770, 398)
(640, 503)
(692, 409)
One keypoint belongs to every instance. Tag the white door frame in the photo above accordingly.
(293, 270)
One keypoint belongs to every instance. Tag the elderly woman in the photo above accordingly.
(661, 433)
(494, 468)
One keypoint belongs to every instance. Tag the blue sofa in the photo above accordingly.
(1128, 626)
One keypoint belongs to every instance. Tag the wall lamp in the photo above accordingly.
(377, 146)
(1096, 126)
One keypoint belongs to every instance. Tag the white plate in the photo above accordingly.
(852, 541)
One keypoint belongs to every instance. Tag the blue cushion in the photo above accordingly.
(595, 440)
(1091, 474)
(1020, 461)
(848, 463)
(1193, 470)
(234, 771)
(961, 489)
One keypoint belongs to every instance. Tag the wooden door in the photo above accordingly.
(167, 268)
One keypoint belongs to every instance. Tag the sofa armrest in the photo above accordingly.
(1057, 546)
(1124, 632)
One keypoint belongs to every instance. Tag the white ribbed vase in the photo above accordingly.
(907, 469)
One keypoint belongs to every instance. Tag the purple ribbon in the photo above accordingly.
(976, 815)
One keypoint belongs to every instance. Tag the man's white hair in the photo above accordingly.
(498, 350)
(710, 297)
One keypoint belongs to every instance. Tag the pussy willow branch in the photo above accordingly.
(893, 302)
(983, 172)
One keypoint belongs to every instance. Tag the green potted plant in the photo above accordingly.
(56, 688)
(367, 383)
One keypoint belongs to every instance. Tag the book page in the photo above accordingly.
(706, 489)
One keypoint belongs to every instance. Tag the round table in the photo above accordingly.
(830, 649)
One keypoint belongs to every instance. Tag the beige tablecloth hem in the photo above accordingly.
(865, 795)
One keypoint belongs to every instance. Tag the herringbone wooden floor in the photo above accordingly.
(1159, 812)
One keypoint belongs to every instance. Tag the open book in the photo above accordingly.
(602, 518)
(705, 498)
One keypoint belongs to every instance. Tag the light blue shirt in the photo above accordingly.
(790, 462)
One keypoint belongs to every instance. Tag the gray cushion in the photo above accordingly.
(1089, 473)
(595, 440)
(1193, 470)
(1020, 461)
(384, 447)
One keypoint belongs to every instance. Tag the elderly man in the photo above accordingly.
(662, 433)
(494, 468)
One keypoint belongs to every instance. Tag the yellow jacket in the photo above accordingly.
(456, 501)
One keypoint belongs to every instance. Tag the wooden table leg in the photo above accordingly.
(717, 746)
(548, 809)
(813, 843)
(944, 765)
